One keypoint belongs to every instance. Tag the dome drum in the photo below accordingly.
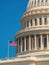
(36, 22)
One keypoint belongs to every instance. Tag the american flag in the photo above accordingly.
(12, 43)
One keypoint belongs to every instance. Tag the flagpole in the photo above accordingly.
(8, 49)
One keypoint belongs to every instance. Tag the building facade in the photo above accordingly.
(33, 39)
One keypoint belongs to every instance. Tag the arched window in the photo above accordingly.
(31, 22)
(39, 42)
(27, 23)
(45, 0)
(27, 43)
(32, 2)
(33, 43)
(45, 42)
(35, 1)
(41, 0)
(40, 21)
(45, 21)
(24, 24)
(38, 1)
(22, 43)
(35, 21)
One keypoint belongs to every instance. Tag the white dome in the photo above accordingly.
(37, 3)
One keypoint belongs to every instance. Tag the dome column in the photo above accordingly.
(48, 20)
(35, 43)
(44, 2)
(29, 42)
(40, 2)
(36, 2)
(24, 43)
(38, 21)
(21, 44)
(26, 24)
(29, 23)
(42, 20)
(18, 45)
(47, 42)
(32, 43)
(41, 42)
(33, 22)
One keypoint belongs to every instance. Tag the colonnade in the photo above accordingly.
(40, 21)
(36, 3)
(31, 43)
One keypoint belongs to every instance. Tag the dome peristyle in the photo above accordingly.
(37, 3)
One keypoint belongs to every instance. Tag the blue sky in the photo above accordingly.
(10, 13)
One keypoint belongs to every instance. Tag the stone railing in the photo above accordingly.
(46, 27)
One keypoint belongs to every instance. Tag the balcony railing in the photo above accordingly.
(34, 28)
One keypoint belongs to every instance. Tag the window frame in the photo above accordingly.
(28, 23)
(45, 21)
(39, 43)
(45, 42)
(41, 0)
(45, 0)
(31, 22)
(35, 22)
(40, 21)
(35, 2)
(38, 1)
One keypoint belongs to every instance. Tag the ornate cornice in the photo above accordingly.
(33, 30)
(30, 57)
(36, 11)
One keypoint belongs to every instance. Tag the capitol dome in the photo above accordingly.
(34, 35)
(33, 39)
